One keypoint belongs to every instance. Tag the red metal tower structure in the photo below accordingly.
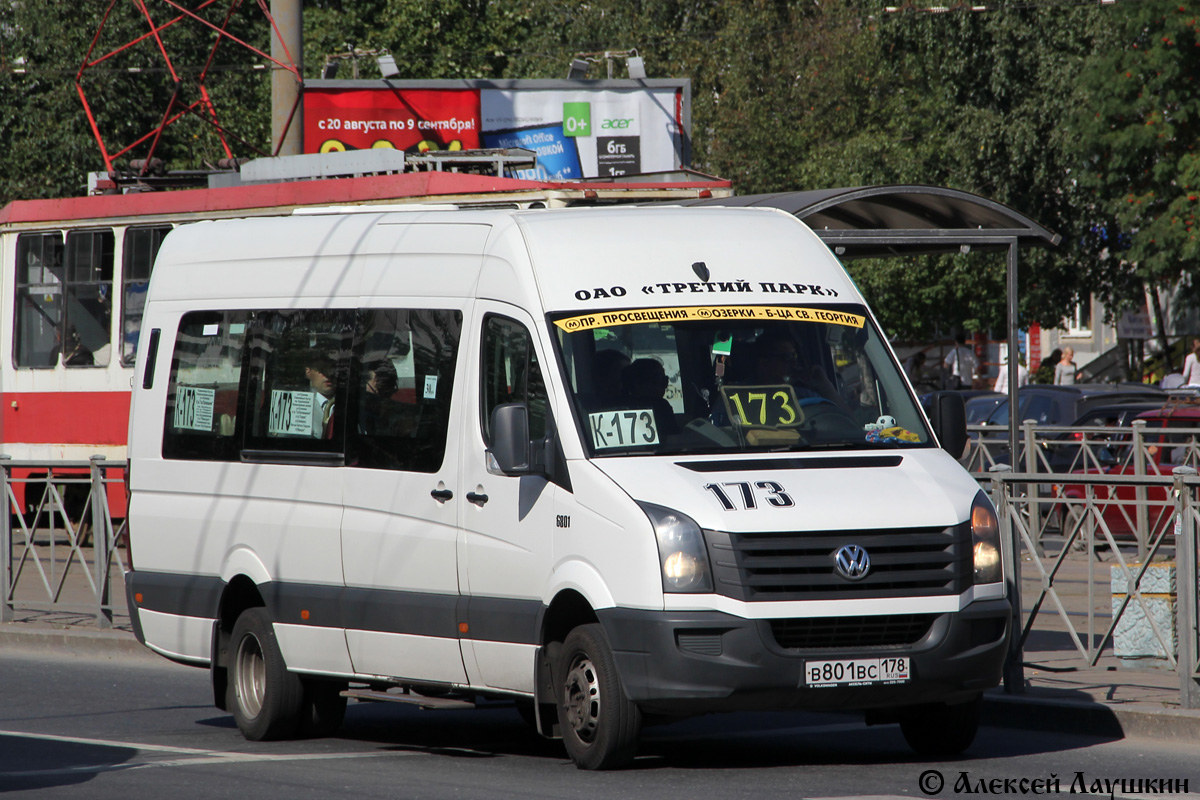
(179, 105)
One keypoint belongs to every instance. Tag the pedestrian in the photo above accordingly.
(1065, 371)
(1002, 381)
(1191, 365)
(960, 364)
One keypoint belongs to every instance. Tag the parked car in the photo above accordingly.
(1164, 451)
(981, 406)
(1058, 405)
(1065, 452)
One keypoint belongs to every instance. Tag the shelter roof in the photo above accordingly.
(908, 219)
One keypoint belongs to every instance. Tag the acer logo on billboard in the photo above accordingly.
(616, 124)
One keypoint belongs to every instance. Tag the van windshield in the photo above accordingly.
(735, 378)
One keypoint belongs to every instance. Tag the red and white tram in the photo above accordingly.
(74, 272)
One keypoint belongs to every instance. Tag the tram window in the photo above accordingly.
(87, 329)
(39, 297)
(64, 299)
(141, 247)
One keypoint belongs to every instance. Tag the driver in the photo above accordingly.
(777, 362)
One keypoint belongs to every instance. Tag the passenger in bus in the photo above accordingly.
(320, 371)
(382, 380)
(76, 353)
(383, 414)
(644, 384)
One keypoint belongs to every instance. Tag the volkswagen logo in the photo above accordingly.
(852, 562)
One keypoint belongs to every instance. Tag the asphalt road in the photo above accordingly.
(133, 727)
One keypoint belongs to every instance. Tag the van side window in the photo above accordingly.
(202, 395)
(511, 374)
(298, 375)
(405, 377)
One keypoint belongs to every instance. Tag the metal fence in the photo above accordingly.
(1108, 503)
(59, 549)
(1059, 453)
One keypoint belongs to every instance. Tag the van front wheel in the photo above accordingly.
(266, 699)
(600, 725)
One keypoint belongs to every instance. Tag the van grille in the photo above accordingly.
(905, 562)
(827, 633)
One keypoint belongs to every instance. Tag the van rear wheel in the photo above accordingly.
(600, 725)
(941, 730)
(266, 699)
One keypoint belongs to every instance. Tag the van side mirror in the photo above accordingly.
(949, 419)
(510, 448)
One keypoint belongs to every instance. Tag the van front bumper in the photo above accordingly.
(689, 662)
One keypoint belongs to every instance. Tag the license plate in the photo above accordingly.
(856, 672)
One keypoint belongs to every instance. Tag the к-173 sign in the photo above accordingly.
(578, 129)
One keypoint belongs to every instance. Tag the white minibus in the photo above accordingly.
(618, 465)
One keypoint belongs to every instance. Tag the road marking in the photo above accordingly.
(192, 756)
(159, 748)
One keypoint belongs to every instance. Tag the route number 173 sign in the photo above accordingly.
(762, 406)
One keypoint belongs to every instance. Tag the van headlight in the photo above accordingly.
(681, 551)
(985, 535)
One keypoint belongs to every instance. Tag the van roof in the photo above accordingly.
(578, 258)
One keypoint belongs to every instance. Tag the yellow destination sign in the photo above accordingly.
(632, 316)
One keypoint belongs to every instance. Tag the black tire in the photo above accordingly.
(266, 699)
(323, 708)
(600, 725)
(942, 730)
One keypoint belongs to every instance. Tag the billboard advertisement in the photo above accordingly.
(579, 129)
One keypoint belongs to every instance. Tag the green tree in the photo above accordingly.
(1140, 118)
(451, 39)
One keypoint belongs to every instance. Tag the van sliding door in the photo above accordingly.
(400, 526)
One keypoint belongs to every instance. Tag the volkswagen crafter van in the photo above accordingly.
(618, 465)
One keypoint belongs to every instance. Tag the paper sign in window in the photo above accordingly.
(291, 413)
(623, 428)
(194, 409)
